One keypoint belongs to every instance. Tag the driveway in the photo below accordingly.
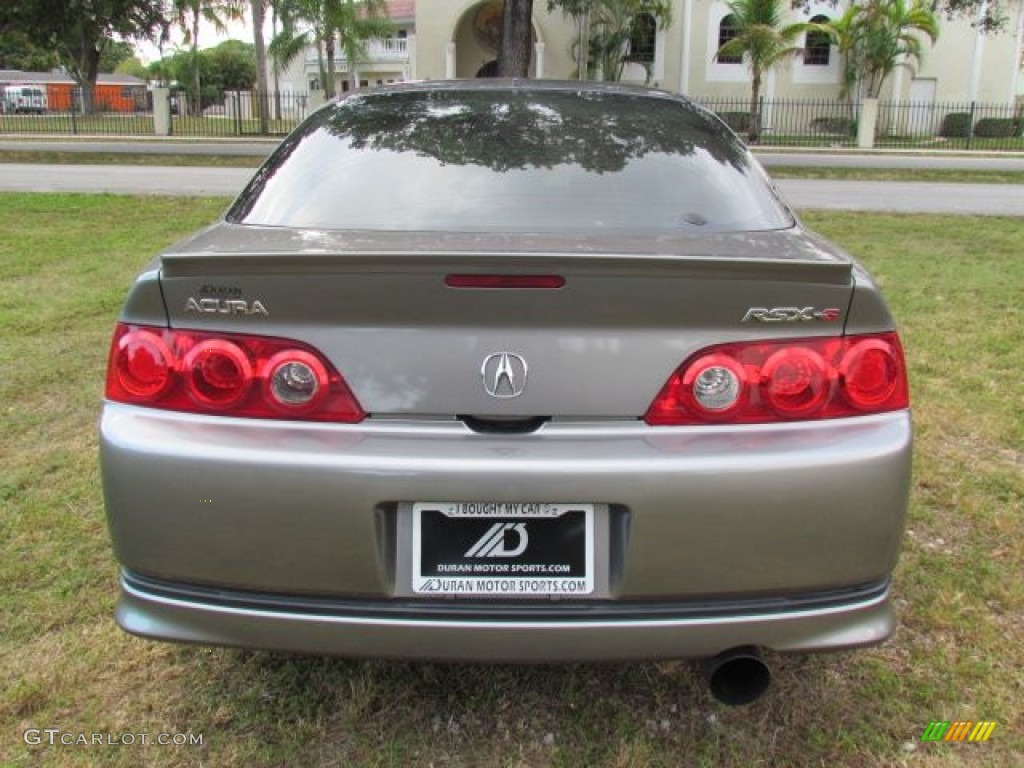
(888, 196)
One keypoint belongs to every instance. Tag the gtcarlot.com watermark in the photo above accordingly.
(56, 737)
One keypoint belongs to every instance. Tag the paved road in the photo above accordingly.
(769, 158)
(891, 196)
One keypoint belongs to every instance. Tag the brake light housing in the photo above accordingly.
(226, 374)
(785, 380)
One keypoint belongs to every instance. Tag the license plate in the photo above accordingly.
(499, 549)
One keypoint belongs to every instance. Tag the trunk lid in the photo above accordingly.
(602, 346)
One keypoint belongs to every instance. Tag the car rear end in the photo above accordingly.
(447, 402)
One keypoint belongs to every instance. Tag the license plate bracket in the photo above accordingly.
(502, 549)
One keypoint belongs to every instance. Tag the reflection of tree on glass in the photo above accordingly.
(522, 130)
(513, 157)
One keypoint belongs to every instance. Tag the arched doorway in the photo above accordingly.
(476, 39)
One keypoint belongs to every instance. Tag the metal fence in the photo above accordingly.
(242, 113)
(901, 124)
(236, 113)
(784, 122)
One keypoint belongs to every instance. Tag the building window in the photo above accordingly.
(642, 39)
(818, 47)
(314, 84)
(727, 31)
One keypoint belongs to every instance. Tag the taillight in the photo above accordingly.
(785, 380)
(227, 374)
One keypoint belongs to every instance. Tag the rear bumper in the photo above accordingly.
(716, 517)
(827, 622)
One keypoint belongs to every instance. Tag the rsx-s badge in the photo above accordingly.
(226, 306)
(790, 315)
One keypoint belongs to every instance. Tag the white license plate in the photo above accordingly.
(500, 549)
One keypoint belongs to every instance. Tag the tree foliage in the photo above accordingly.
(187, 15)
(987, 15)
(80, 31)
(115, 52)
(763, 41)
(878, 36)
(229, 66)
(17, 51)
(329, 26)
(606, 29)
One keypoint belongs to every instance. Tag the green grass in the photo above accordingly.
(128, 158)
(897, 174)
(956, 288)
(937, 143)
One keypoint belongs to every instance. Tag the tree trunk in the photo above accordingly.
(754, 129)
(329, 50)
(259, 8)
(277, 66)
(516, 38)
(90, 68)
(196, 84)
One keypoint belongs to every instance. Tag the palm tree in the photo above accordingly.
(259, 9)
(763, 41)
(579, 11)
(326, 24)
(845, 32)
(610, 26)
(889, 34)
(188, 14)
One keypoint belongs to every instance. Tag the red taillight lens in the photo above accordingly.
(217, 374)
(227, 374)
(795, 381)
(143, 365)
(871, 373)
(785, 380)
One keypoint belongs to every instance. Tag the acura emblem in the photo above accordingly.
(504, 375)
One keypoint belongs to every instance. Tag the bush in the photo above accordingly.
(997, 128)
(956, 125)
(737, 121)
(842, 126)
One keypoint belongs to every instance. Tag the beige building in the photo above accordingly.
(441, 39)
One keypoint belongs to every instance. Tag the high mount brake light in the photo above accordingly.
(547, 282)
(227, 374)
(785, 380)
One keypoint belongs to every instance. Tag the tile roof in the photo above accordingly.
(401, 9)
(17, 76)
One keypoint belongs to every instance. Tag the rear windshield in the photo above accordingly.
(511, 160)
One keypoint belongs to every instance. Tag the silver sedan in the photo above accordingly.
(517, 371)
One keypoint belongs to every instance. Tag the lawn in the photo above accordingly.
(957, 288)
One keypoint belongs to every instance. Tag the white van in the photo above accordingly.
(24, 98)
